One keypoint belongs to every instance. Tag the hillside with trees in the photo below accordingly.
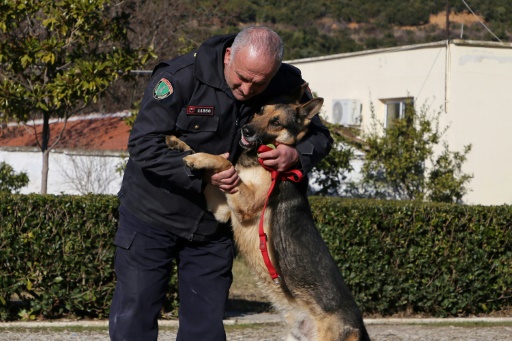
(308, 28)
(314, 28)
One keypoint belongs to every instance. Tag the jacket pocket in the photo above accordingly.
(197, 123)
(124, 238)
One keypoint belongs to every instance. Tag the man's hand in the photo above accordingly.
(227, 180)
(281, 159)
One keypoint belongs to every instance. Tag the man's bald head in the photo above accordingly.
(252, 61)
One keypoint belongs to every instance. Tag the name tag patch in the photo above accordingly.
(200, 110)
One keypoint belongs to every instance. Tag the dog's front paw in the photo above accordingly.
(207, 161)
(175, 143)
(191, 161)
(172, 142)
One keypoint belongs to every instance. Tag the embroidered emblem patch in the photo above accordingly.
(200, 110)
(163, 89)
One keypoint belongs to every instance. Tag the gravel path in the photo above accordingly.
(274, 332)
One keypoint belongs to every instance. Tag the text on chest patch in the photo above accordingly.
(200, 110)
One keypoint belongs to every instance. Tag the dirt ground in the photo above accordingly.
(275, 332)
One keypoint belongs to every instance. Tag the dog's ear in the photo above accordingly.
(309, 109)
(298, 92)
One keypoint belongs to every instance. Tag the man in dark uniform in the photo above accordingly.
(204, 98)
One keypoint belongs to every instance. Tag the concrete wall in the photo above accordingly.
(479, 111)
(94, 171)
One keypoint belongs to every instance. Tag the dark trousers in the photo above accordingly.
(143, 267)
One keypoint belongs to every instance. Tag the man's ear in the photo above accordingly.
(227, 55)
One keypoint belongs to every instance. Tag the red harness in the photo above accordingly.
(292, 175)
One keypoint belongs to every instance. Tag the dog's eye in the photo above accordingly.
(275, 122)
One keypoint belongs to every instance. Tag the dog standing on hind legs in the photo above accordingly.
(311, 293)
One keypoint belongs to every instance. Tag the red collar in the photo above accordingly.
(294, 175)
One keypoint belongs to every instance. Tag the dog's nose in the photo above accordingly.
(248, 130)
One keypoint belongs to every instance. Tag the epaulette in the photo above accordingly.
(178, 63)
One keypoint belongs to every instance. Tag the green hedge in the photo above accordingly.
(435, 259)
(56, 255)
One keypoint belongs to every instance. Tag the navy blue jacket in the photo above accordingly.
(188, 97)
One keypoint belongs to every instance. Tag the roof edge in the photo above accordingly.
(442, 43)
(86, 117)
(481, 43)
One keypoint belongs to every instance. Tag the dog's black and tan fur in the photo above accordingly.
(311, 294)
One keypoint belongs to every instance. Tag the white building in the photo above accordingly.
(469, 81)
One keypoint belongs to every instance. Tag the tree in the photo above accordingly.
(56, 57)
(402, 161)
(90, 174)
(10, 181)
(330, 173)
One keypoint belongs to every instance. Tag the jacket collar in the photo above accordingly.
(209, 65)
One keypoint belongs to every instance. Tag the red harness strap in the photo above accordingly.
(292, 175)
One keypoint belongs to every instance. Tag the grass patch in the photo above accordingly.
(244, 283)
(245, 295)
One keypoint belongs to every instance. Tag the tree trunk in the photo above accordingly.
(45, 138)
(44, 172)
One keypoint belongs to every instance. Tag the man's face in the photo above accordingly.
(247, 74)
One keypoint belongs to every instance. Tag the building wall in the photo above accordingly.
(469, 82)
(480, 87)
(372, 76)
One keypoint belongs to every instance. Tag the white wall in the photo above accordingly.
(480, 90)
(30, 161)
(473, 80)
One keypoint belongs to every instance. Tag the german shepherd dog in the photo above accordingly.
(311, 293)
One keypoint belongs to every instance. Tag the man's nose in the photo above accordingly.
(247, 88)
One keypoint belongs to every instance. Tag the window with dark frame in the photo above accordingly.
(396, 109)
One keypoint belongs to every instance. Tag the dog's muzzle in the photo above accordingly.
(248, 139)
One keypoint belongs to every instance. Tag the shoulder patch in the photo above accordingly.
(163, 89)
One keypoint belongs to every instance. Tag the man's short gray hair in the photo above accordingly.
(261, 39)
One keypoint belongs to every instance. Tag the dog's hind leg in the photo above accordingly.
(319, 327)
(301, 330)
(329, 327)
(301, 327)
